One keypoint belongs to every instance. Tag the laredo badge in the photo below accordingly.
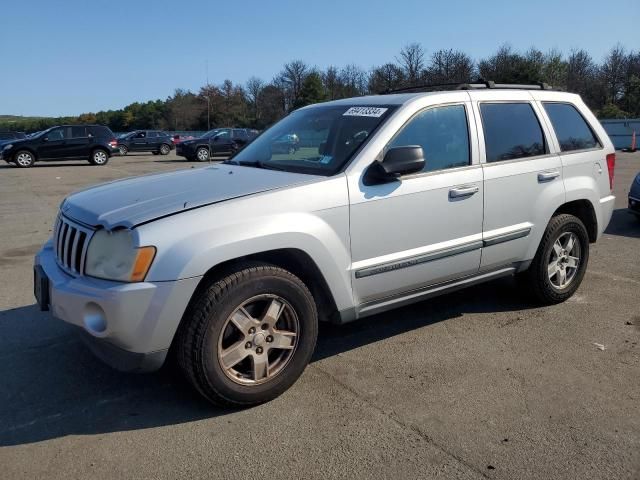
(365, 112)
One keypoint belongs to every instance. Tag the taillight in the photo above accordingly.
(611, 166)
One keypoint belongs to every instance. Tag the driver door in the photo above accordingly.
(54, 143)
(425, 228)
(139, 142)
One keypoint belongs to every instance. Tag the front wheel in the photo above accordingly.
(561, 260)
(164, 149)
(99, 157)
(123, 149)
(249, 336)
(202, 154)
(24, 159)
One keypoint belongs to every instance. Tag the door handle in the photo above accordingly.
(461, 192)
(547, 176)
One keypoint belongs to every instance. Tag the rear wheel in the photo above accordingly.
(164, 149)
(202, 154)
(561, 260)
(249, 336)
(99, 157)
(24, 159)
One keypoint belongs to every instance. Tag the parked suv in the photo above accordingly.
(216, 142)
(154, 141)
(95, 143)
(390, 200)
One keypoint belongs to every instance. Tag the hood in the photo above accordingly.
(132, 201)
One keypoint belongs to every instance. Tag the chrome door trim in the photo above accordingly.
(506, 237)
(418, 259)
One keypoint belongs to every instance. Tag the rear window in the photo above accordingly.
(78, 132)
(511, 131)
(100, 131)
(572, 130)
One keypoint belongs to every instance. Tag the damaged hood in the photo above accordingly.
(132, 201)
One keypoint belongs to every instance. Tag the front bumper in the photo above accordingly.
(129, 326)
(185, 151)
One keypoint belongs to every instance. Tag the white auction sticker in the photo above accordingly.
(364, 112)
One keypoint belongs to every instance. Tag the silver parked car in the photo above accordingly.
(388, 200)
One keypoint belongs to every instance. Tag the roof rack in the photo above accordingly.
(479, 84)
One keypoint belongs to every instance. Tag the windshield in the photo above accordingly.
(318, 140)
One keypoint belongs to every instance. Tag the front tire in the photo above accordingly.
(202, 154)
(561, 260)
(99, 157)
(164, 149)
(24, 159)
(123, 149)
(249, 336)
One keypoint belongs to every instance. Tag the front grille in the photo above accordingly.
(70, 243)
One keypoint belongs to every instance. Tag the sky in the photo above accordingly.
(66, 57)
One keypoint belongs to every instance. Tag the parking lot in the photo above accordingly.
(475, 384)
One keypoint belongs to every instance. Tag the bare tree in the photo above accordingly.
(291, 77)
(386, 77)
(613, 73)
(450, 66)
(412, 62)
(254, 87)
(554, 70)
(331, 82)
(353, 80)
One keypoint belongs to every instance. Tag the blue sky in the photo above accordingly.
(69, 57)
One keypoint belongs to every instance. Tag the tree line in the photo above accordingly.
(610, 88)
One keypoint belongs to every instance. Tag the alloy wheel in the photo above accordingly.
(24, 159)
(258, 340)
(203, 155)
(564, 260)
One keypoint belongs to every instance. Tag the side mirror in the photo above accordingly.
(45, 139)
(397, 161)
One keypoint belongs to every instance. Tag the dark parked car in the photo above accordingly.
(216, 142)
(154, 141)
(95, 143)
(634, 197)
(8, 137)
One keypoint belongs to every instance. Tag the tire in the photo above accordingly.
(123, 149)
(209, 337)
(556, 255)
(24, 159)
(99, 157)
(291, 150)
(164, 149)
(202, 154)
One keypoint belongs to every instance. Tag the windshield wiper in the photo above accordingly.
(256, 164)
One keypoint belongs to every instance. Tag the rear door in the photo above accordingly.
(77, 143)
(522, 176)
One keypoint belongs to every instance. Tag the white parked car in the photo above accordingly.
(388, 200)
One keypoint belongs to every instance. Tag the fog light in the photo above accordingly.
(94, 319)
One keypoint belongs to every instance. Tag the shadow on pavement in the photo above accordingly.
(54, 387)
(623, 224)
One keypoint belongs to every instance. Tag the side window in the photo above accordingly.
(152, 135)
(511, 130)
(78, 132)
(57, 134)
(443, 134)
(572, 130)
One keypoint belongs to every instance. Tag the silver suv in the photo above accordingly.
(387, 200)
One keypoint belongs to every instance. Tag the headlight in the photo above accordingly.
(113, 256)
(7, 147)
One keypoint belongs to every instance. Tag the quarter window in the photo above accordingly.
(511, 130)
(572, 130)
(443, 134)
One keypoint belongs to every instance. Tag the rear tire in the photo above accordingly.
(228, 345)
(560, 262)
(24, 159)
(99, 157)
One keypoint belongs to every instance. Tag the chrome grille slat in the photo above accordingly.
(71, 241)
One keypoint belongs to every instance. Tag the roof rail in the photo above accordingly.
(478, 84)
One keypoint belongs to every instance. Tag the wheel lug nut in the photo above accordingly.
(259, 350)
(252, 330)
(247, 345)
(264, 326)
(269, 339)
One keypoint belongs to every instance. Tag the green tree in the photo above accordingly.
(312, 90)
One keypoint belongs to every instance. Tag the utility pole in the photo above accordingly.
(208, 100)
